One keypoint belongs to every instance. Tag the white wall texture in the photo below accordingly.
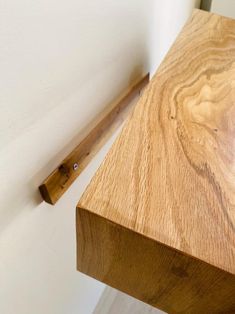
(116, 302)
(223, 7)
(168, 18)
(60, 63)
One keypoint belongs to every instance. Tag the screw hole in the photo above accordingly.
(75, 167)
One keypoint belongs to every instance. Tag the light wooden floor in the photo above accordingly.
(115, 302)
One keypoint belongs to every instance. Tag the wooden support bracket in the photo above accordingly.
(70, 168)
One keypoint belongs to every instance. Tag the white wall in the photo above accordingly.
(223, 7)
(168, 18)
(60, 63)
(116, 302)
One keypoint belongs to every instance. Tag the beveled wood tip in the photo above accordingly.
(45, 194)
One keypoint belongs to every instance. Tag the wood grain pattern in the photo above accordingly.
(111, 118)
(165, 194)
(150, 271)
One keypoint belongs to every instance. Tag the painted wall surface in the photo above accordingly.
(61, 62)
(115, 302)
(223, 7)
(168, 18)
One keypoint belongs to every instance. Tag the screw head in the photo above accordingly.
(75, 166)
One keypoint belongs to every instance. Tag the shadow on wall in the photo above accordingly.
(25, 195)
(206, 5)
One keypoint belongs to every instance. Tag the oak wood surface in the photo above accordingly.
(110, 119)
(167, 186)
(150, 271)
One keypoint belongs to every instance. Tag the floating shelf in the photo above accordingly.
(157, 220)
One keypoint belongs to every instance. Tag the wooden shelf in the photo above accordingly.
(157, 220)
